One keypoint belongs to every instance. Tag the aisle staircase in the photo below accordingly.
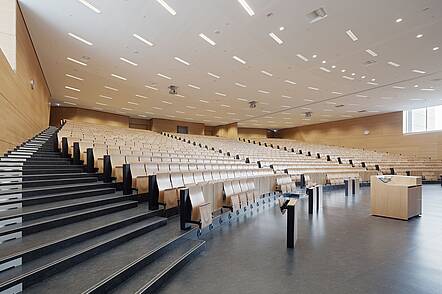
(62, 230)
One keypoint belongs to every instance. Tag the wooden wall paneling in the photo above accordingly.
(385, 134)
(24, 111)
(165, 125)
(252, 133)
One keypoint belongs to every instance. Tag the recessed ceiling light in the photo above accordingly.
(213, 75)
(419, 36)
(353, 74)
(181, 112)
(348, 78)
(247, 7)
(128, 109)
(231, 113)
(181, 60)
(331, 103)
(266, 73)
(417, 99)
(80, 39)
(285, 96)
(343, 70)
(164, 76)
(309, 100)
(398, 87)
(220, 94)
(351, 35)
(71, 97)
(398, 20)
(207, 39)
(179, 95)
(240, 85)
(106, 97)
(70, 103)
(328, 110)
(74, 77)
(97, 108)
(266, 111)
(300, 56)
(76, 61)
(324, 69)
(110, 88)
(72, 88)
(128, 61)
(90, 6)
(435, 48)
(166, 102)
(333, 66)
(263, 92)
(290, 82)
(276, 38)
(143, 40)
(314, 56)
(204, 101)
(193, 86)
(373, 111)
(286, 106)
(141, 115)
(373, 80)
(118, 77)
(141, 96)
(171, 116)
(324, 62)
(363, 77)
(224, 105)
(191, 107)
(372, 83)
(393, 64)
(157, 108)
(427, 89)
(239, 59)
(313, 88)
(210, 110)
(148, 112)
(199, 114)
(133, 103)
(281, 28)
(361, 96)
(416, 86)
(167, 7)
(102, 104)
(150, 87)
(418, 71)
(371, 52)
(337, 93)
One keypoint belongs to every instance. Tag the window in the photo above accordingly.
(182, 130)
(422, 120)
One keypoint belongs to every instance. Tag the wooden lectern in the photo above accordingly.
(396, 196)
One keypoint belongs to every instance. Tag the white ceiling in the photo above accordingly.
(238, 34)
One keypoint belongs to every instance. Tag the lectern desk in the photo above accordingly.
(396, 196)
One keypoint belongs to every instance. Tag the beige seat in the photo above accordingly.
(168, 195)
(201, 210)
(139, 177)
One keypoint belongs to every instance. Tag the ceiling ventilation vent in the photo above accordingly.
(316, 15)
(340, 105)
(308, 114)
(369, 62)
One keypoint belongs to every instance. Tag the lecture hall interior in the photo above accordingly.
(222, 146)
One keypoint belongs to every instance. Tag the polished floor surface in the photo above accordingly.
(340, 250)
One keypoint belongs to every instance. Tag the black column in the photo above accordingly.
(185, 209)
(107, 169)
(346, 187)
(310, 200)
(127, 179)
(291, 226)
(90, 160)
(153, 193)
(64, 147)
(76, 153)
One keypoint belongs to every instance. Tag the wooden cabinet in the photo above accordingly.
(396, 196)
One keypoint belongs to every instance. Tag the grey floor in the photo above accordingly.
(341, 250)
